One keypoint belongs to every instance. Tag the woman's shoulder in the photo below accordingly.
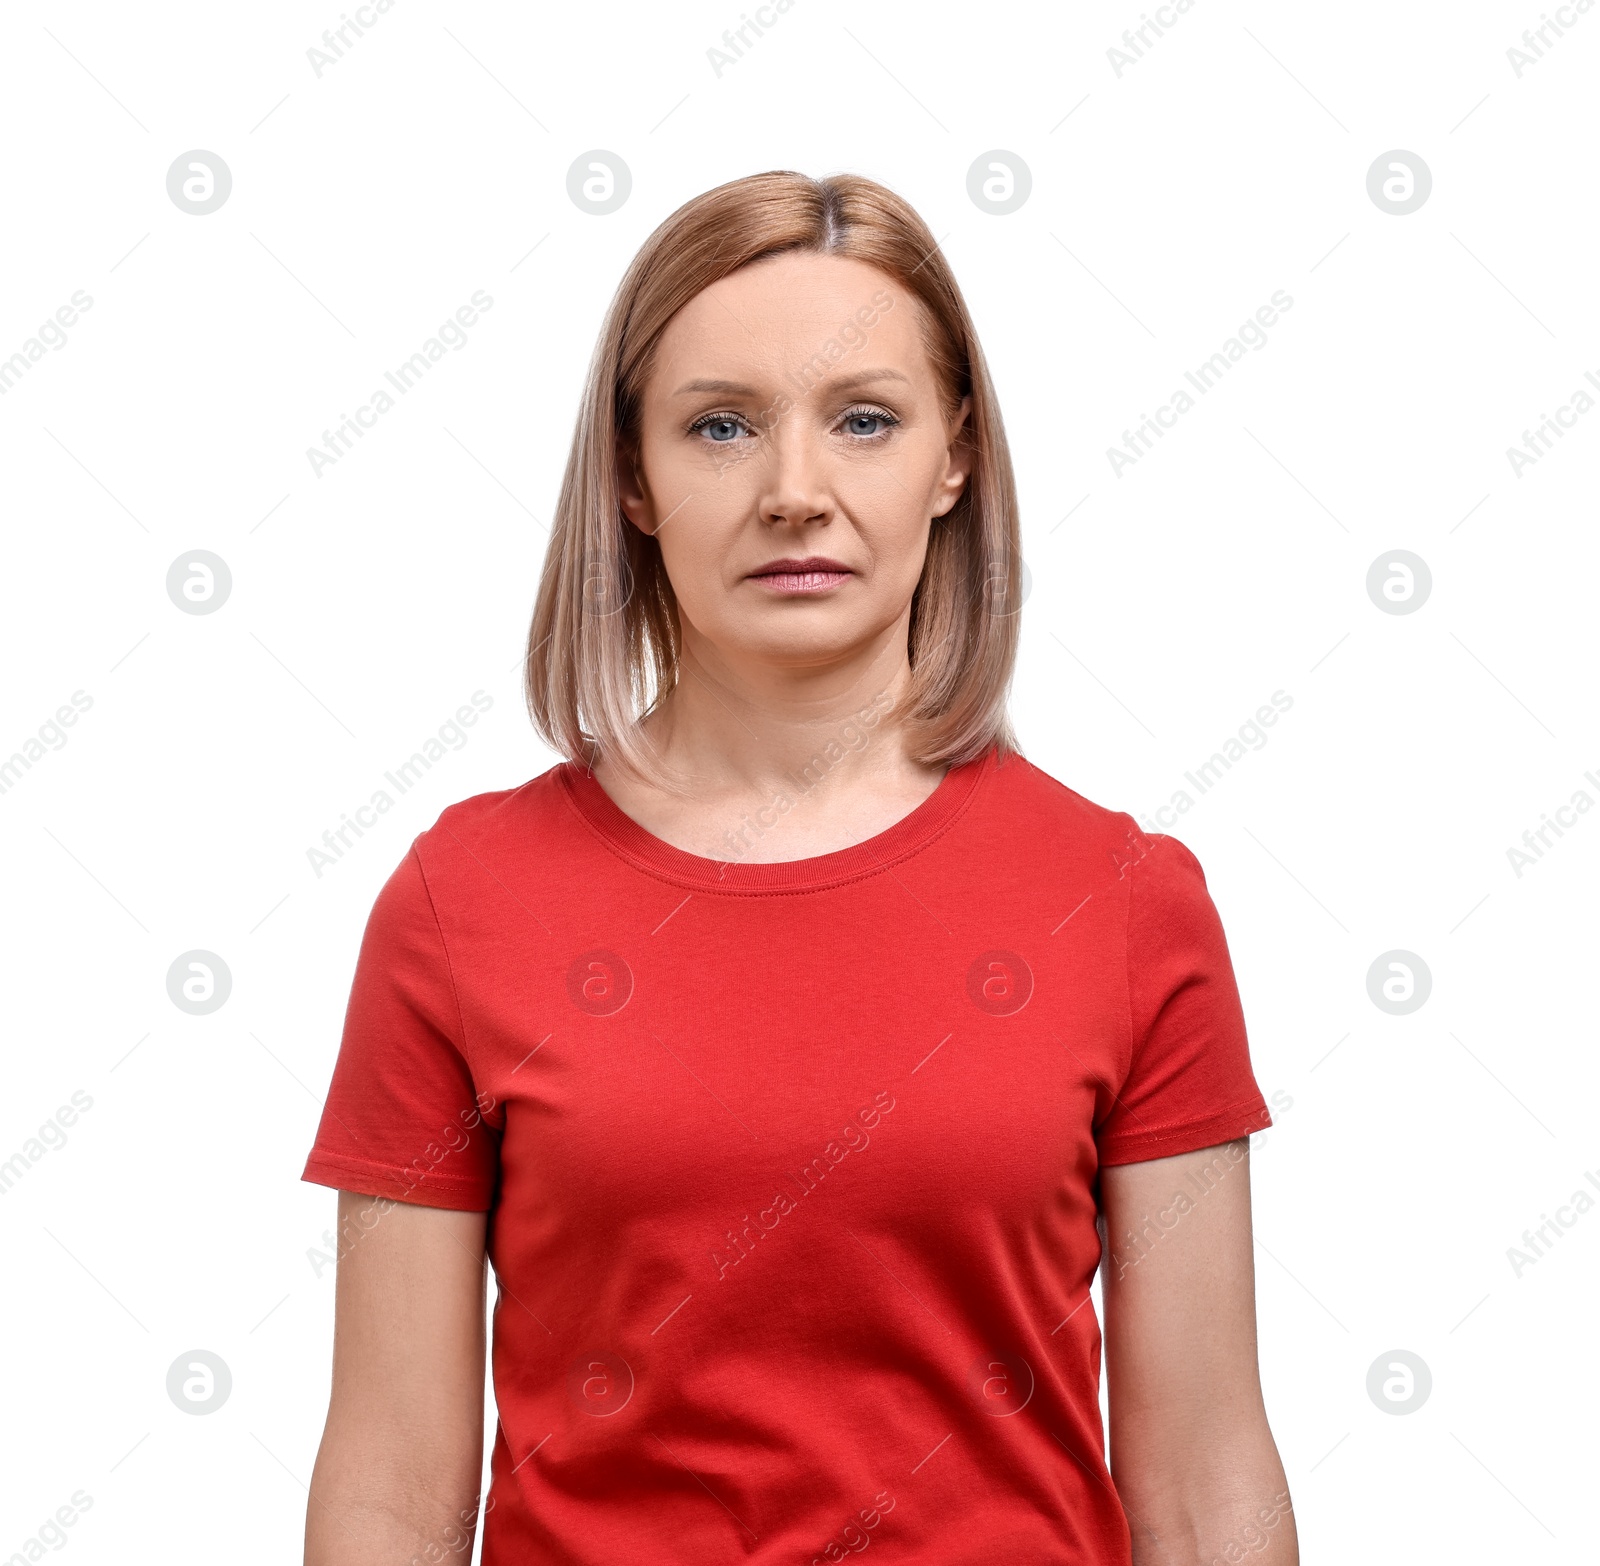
(520, 819)
(1025, 787)
(1071, 826)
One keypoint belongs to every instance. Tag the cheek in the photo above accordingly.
(691, 547)
(889, 496)
(702, 515)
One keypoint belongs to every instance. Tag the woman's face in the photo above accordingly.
(793, 449)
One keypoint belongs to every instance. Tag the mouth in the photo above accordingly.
(814, 574)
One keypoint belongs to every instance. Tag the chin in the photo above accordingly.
(815, 641)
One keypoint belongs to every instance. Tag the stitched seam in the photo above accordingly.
(449, 967)
(1127, 968)
(656, 873)
(335, 1163)
(1172, 1128)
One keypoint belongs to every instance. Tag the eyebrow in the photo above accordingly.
(868, 378)
(725, 388)
(739, 389)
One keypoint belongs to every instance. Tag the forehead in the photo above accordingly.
(783, 311)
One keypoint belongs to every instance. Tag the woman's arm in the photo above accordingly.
(1191, 1454)
(402, 1451)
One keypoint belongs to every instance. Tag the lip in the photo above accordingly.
(798, 577)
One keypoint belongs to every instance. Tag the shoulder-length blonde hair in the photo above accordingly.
(603, 646)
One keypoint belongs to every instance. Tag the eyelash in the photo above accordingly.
(867, 411)
(863, 411)
(707, 419)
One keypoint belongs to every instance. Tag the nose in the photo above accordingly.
(795, 487)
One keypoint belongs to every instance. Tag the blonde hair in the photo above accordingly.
(603, 646)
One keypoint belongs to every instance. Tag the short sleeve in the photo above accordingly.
(1189, 1082)
(403, 1117)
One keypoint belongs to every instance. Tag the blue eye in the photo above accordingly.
(868, 423)
(720, 427)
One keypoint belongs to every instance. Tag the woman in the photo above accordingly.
(796, 1050)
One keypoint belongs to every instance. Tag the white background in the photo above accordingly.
(1167, 604)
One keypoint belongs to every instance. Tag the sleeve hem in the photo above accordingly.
(397, 1183)
(1226, 1125)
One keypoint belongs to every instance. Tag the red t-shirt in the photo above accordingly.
(791, 1167)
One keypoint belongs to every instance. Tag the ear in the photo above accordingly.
(960, 456)
(631, 494)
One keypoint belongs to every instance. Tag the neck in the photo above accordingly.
(774, 762)
(748, 727)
